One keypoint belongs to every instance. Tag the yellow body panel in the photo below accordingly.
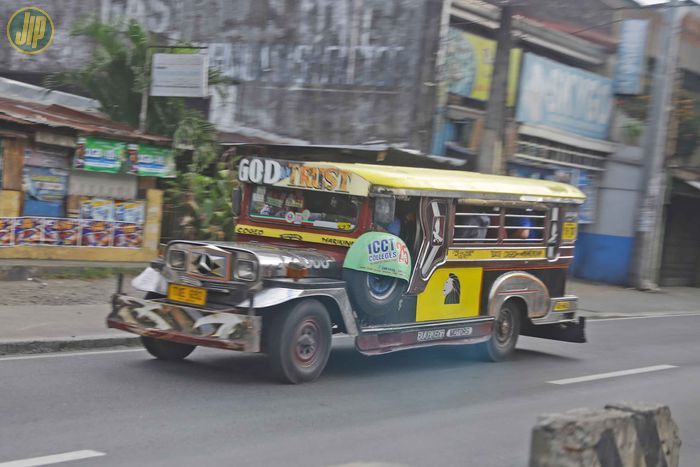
(499, 253)
(326, 239)
(451, 293)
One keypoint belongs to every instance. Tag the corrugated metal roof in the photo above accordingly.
(58, 116)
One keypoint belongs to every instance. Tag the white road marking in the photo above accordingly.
(67, 354)
(612, 374)
(54, 459)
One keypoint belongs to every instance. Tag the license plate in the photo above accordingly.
(187, 294)
(562, 306)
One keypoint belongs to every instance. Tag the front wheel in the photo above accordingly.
(506, 330)
(299, 342)
(166, 350)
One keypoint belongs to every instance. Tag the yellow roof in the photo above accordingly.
(421, 179)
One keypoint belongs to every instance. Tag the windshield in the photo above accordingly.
(304, 208)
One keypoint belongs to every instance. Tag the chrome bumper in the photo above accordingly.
(226, 329)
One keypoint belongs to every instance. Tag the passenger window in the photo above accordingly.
(524, 226)
(476, 224)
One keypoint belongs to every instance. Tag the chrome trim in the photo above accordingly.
(424, 325)
(277, 295)
(524, 286)
(559, 316)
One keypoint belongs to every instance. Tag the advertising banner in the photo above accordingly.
(127, 235)
(63, 232)
(69, 232)
(45, 183)
(563, 97)
(152, 161)
(97, 233)
(97, 209)
(28, 231)
(631, 54)
(129, 211)
(99, 155)
(44, 156)
(7, 231)
(470, 66)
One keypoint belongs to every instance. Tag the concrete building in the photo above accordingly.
(317, 71)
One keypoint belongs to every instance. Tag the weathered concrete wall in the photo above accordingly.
(326, 71)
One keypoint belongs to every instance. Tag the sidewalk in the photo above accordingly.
(22, 269)
(52, 323)
(609, 301)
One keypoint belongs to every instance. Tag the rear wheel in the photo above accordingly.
(506, 330)
(299, 342)
(166, 350)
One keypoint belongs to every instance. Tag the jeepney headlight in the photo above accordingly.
(245, 270)
(177, 259)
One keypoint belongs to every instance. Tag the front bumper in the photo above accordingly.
(225, 329)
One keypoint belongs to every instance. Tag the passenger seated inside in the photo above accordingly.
(473, 227)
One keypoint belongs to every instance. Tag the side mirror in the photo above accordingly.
(236, 197)
(384, 207)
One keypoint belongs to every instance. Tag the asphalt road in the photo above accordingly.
(430, 407)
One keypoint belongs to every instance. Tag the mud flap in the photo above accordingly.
(567, 332)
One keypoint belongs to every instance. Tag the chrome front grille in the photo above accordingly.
(209, 263)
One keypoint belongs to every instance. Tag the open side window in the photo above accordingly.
(523, 226)
(476, 224)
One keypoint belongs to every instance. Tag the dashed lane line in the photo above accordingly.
(53, 459)
(612, 374)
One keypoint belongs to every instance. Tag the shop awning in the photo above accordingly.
(567, 138)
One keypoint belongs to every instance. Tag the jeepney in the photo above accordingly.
(397, 257)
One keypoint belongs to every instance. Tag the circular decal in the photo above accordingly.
(30, 30)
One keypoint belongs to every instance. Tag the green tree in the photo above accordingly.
(116, 75)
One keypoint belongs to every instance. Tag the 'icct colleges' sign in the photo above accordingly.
(564, 97)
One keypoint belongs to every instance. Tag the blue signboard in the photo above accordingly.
(563, 97)
(631, 56)
(45, 189)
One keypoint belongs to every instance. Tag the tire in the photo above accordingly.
(299, 342)
(166, 350)
(505, 334)
(374, 295)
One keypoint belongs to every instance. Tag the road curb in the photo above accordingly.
(22, 272)
(66, 345)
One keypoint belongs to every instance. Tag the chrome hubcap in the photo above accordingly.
(307, 342)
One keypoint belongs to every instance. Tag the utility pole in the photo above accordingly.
(494, 135)
(650, 227)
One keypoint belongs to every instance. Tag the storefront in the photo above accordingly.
(76, 191)
(469, 70)
(564, 116)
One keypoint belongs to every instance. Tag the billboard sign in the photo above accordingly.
(470, 66)
(631, 54)
(179, 75)
(563, 97)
